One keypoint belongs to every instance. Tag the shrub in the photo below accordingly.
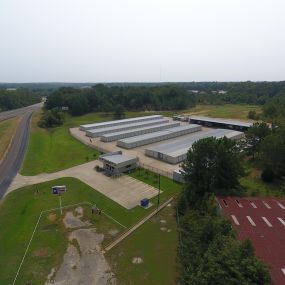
(267, 175)
(51, 118)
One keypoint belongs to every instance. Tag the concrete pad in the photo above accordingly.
(124, 190)
(146, 162)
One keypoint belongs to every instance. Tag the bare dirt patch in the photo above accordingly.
(113, 232)
(42, 252)
(70, 221)
(52, 217)
(83, 263)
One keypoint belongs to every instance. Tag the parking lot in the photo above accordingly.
(262, 220)
(124, 190)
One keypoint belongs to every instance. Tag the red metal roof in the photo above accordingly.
(262, 220)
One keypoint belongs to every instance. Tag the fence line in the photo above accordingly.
(38, 221)
(156, 170)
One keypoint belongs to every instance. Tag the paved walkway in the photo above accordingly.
(124, 190)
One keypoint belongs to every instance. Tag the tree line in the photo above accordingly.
(236, 92)
(105, 99)
(17, 98)
(265, 144)
(209, 252)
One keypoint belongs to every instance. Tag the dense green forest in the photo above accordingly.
(176, 96)
(13, 99)
(154, 96)
(104, 98)
(236, 92)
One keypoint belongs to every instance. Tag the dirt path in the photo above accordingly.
(83, 262)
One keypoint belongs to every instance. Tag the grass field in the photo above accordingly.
(229, 111)
(155, 243)
(255, 186)
(167, 185)
(7, 130)
(53, 150)
(50, 243)
(20, 210)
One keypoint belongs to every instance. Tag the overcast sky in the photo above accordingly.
(141, 40)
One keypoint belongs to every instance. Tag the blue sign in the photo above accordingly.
(57, 190)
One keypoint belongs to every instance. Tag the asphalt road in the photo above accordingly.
(18, 112)
(15, 156)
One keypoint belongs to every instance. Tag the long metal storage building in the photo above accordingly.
(94, 133)
(176, 151)
(119, 122)
(220, 123)
(158, 136)
(136, 132)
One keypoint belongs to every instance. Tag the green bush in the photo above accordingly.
(51, 118)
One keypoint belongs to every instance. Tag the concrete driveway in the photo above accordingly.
(124, 190)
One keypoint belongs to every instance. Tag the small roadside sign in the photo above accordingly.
(58, 190)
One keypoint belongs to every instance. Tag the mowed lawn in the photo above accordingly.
(7, 130)
(155, 243)
(20, 210)
(55, 149)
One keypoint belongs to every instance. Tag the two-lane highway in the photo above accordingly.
(16, 153)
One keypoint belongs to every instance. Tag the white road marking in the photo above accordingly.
(266, 205)
(251, 221)
(280, 205)
(283, 270)
(267, 222)
(253, 205)
(225, 202)
(239, 204)
(235, 219)
(281, 221)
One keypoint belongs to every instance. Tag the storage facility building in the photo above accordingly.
(178, 175)
(176, 151)
(220, 123)
(119, 122)
(116, 163)
(158, 136)
(94, 133)
(136, 132)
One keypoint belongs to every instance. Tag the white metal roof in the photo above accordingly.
(180, 146)
(123, 121)
(117, 158)
(222, 121)
(139, 129)
(124, 126)
(158, 134)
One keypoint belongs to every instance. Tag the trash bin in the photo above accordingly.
(144, 202)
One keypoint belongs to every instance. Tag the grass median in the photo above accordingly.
(7, 130)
